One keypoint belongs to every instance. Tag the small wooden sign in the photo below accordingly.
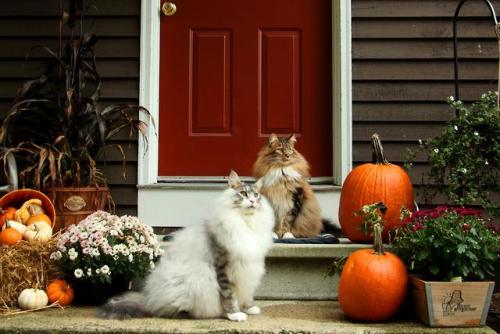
(451, 304)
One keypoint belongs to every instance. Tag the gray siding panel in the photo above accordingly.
(117, 25)
(403, 71)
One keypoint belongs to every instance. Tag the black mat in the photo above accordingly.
(322, 239)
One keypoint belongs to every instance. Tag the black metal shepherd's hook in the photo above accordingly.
(455, 39)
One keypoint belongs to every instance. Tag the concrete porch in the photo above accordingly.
(277, 317)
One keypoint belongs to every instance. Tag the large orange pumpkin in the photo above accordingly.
(373, 284)
(375, 182)
(60, 291)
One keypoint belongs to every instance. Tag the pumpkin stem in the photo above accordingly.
(378, 151)
(378, 246)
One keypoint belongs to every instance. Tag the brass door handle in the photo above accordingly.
(168, 8)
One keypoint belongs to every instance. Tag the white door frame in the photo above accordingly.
(150, 191)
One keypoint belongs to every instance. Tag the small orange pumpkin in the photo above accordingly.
(60, 291)
(7, 214)
(372, 183)
(10, 236)
(40, 217)
(373, 283)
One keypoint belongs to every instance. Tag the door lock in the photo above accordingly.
(168, 8)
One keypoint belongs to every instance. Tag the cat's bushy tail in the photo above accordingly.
(330, 227)
(129, 305)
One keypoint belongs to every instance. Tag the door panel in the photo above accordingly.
(232, 72)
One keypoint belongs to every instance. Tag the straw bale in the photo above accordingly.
(25, 265)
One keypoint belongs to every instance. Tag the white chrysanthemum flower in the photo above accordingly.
(130, 258)
(105, 269)
(436, 150)
(476, 133)
(455, 127)
(78, 273)
(89, 272)
(486, 162)
(451, 98)
(463, 170)
(420, 142)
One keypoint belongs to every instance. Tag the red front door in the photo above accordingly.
(232, 72)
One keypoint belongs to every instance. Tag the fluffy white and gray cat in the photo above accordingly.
(209, 270)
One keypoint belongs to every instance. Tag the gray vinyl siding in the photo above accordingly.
(402, 53)
(117, 24)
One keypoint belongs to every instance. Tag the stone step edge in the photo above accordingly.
(344, 248)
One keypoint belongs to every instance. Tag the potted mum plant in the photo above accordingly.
(57, 127)
(103, 253)
(449, 252)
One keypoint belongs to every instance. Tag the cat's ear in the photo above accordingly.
(233, 180)
(292, 140)
(258, 184)
(273, 139)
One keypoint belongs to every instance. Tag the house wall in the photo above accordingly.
(117, 24)
(402, 68)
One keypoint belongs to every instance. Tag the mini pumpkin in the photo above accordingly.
(39, 217)
(10, 236)
(60, 291)
(14, 224)
(7, 214)
(31, 299)
(38, 231)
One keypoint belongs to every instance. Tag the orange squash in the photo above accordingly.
(7, 214)
(375, 182)
(60, 291)
(40, 217)
(372, 284)
(10, 236)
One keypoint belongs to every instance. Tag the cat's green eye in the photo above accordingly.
(243, 193)
(256, 194)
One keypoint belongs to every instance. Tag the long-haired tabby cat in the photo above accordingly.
(210, 270)
(283, 172)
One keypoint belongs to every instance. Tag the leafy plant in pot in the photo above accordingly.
(58, 129)
(441, 247)
(464, 159)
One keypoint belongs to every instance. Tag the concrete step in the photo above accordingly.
(277, 317)
(298, 271)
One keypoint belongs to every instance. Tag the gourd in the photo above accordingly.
(10, 236)
(373, 283)
(38, 231)
(7, 214)
(30, 207)
(371, 183)
(40, 217)
(14, 224)
(31, 299)
(60, 291)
